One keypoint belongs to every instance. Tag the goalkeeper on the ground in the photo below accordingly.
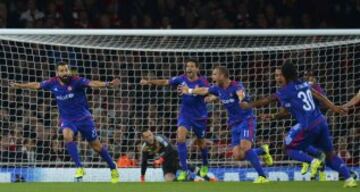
(158, 147)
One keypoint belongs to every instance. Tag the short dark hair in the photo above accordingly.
(61, 63)
(195, 61)
(289, 71)
(223, 70)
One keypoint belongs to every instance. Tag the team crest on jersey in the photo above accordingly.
(69, 88)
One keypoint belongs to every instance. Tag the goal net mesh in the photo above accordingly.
(29, 135)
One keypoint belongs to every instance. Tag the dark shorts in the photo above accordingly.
(171, 164)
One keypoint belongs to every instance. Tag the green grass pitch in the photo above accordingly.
(178, 187)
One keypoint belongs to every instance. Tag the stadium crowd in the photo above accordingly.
(179, 14)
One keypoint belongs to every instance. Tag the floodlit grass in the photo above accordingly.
(178, 187)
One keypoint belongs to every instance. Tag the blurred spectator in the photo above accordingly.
(4, 119)
(82, 20)
(179, 14)
(57, 152)
(11, 142)
(52, 11)
(3, 15)
(165, 23)
(31, 15)
(126, 160)
(28, 148)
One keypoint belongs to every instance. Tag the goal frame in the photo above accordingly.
(185, 33)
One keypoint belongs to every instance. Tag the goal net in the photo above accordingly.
(29, 137)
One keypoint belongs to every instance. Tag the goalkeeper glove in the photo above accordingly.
(159, 162)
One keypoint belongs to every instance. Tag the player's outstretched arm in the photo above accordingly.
(282, 113)
(210, 98)
(158, 82)
(103, 84)
(355, 100)
(258, 103)
(196, 91)
(327, 103)
(30, 85)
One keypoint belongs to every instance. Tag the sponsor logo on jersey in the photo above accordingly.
(65, 97)
(227, 101)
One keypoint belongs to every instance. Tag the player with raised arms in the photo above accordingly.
(74, 113)
(296, 98)
(242, 122)
(192, 117)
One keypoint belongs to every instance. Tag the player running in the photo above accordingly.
(311, 156)
(192, 117)
(296, 96)
(310, 77)
(242, 122)
(74, 113)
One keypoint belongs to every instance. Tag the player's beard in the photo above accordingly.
(65, 79)
(190, 74)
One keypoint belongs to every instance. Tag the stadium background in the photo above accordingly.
(179, 14)
(36, 133)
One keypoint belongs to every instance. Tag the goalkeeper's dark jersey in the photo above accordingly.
(160, 148)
